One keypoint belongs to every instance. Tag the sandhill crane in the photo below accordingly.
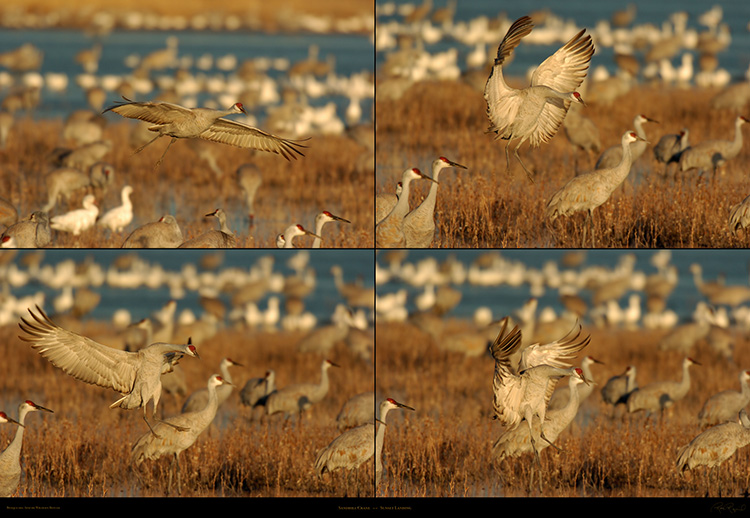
(356, 295)
(250, 179)
(561, 396)
(419, 224)
(581, 131)
(389, 232)
(612, 155)
(295, 399)
(10, 458)
(177, 433)
(357, 410)
(78, 220)
(725, 405)
(385, 201)
(717, 292)
(63, 182)
(356, 446)
(256, 390)
(117, 218)
(713, 446)
(670, 147)
(286, 240)
(177, 121)
(5, 419)
(536, 112)
(31, 232)
(587, 191)
(321, 219)
(659, 395)
(711, 154)
(164, 233)
(617, 389)
(522, 391)
(739, 215)
(221, 238)
(198, 399)
(136, 375)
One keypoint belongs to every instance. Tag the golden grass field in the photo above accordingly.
(487, 206)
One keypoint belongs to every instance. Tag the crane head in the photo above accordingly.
(239, 108)
(575, 96)
(5, 419)
(579, 374)
(396, 404)
(444, 162)
(333, 217)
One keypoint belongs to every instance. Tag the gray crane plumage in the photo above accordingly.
(10, 458)
(725, 405)
(660, 395)
(389, 232)
(164, 233)
(198, 399)
(357, 410)
(617, 389)
(256, 390)
(611, 156)
(561, 396)
(711, 154)
(221, 238)
(670, 147)
(295, 399)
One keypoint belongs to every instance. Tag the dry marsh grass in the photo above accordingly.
(489, 207)
(444, 448)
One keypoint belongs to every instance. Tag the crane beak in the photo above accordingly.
(430, 179)
(39, 407)
(338, 218)
(312, 234)
(456, 164)
(401, 405)
(11, 420)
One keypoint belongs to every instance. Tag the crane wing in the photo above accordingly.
(554, 354)
(503, 102)
(507, 386)
(242, 135)
(79, 356)
(157, 112)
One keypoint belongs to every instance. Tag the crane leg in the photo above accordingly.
(158, 163)
(151, 428)
(515, 152)
(146, 144)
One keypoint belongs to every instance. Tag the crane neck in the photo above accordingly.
(224, 367)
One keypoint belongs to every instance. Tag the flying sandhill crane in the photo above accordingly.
(198, 399)
(10, 459)
(711, 154)
(320, 220)
(617, 389)
(522, 391)
(117, 218)
(78, 220)
(659, 395)
(419, 224)
(292, 231)
(713, 446)
(136, 375)
(561, 396)
(357, 410)
(612, 155)
(670, 147)
(221, 238)
(357, 445)
(536, 112)
(177, 433)
(389, 232)
(164, 233)
(587, 191)
(31, 232)
(725, 405)
(385, 201)
(256, 390)
(295, 399)
(177, 121)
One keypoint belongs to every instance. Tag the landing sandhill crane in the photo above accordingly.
(389, 232)
(177, 121)
(136, 375)
(164, 233)
(292, 231)
(724, 406)
(10, 459)
(356, 446)
(177, 433)
(587, 191)
(385, 201)
(612, 155)
(711, 154)
(670, 147)
(536, 112)
(117, 218)
(561, 396)
(320, 220)
(617, 389)
(31, 232)
(419, 224)
(255, 392)
(221, 238)
(198, 399)
(295, 399)
(357, 410)
(713, 446)
(78, 220)
(522, 391)
(659, 395)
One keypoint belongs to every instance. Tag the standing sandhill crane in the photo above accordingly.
(357, 410)
(419, 224)
(295, 399)
(199, 398)
(670, 147)
(287, 238)
(10, 459)
(389, 232)
(385, 201)
(5, 419)
(561, 396)
(256, 391)
(136, 375)
(712, 154)
(177, 433)
(177, 121)
(617, 389)
(78, 220)
(321, 219)
(581, 131)
(589, 190)
(356, 295)
(707, 288)
(250, 179)
(222, 238)
(660, 395)
(523, 391)
(164, 233)
(536, 112)
(117, 218)
(612, 155)
(31, 232)
(356, 446)
(725, 405)
(718, 293)
(713, 446)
